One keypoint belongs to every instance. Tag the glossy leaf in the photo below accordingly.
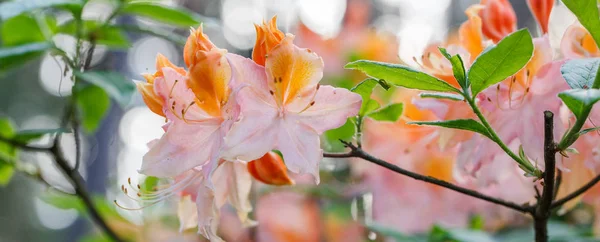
(580, 101)
(580, 73)
(505, 59)
(587, 13)
(115, 84)
(93, 104)
(169, 15)
(389, 113)
(400, 75)
(11, 9)
(442, 95)
(464, 124)
(365, 89)
(458, 67)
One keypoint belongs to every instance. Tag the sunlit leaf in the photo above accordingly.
(6, 173)
(115, 84)
(587, 13)
(25, 29)
(400, 75)
(501, 61)
(581, 73)
(17, 55)
(93, 104)
(169, 15)
(458, 68)
(389, 113)
(464, 124)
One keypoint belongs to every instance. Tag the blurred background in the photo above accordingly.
(338, 30)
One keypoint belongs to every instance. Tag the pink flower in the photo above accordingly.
(285, 108)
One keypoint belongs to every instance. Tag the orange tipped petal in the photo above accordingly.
(208, 79)
(162, 62)
(270, 169)
(267, 37)
(153, 101)
(197, 41)
(469, 33)
(541, 11)
(498, 19)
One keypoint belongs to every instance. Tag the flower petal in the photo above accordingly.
(233, 183)
(208, 214)
(187, 213)
(255, 133)
(182, 147)
(290, 70)
(300, 147)
(329, 109)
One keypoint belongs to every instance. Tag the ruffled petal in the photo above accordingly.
(187, 213)
(208, 214)
(233, 183)
(300, 147)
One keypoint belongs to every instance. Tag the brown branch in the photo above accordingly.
(543, 207)
(576, 193)
(359, 153)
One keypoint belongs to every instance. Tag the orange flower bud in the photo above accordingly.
(498, 19)
(541, 11)
(153, 101)
(197, 41)
(270, 169)
(267, 37)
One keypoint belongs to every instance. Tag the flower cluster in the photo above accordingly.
(225, 114)
(513, 108)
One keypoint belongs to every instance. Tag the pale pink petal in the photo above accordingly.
(187, 213)
(177, 96)
(182, 147)
(300, 147)
(208, 214)
(255, 133)
(247, 72)
(232, 183)
(330, 109)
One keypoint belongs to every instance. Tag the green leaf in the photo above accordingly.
(93, 104)
(505, 59)
(400, 75)
(169, 15)
(389, 113)
(14, 56)
(149, 184)
(464, 124)
(113, 83)
(25, 136)
(585, 131)
(587, 13)
(170, 36)
(476, 222)
(580, 73)
(580, 101)
(110, 36)
(442, 95)
(25, 29)
(364, 89)
(332, 137)
(6, 173)
(458, 68)
(370, 106)
(14, 8)
(62, 201)
(7, 131)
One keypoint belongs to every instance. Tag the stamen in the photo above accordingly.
(271, 92)
(172, 88)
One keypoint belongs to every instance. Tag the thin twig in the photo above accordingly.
(359, 153)
(576, 193)
(78, 184)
